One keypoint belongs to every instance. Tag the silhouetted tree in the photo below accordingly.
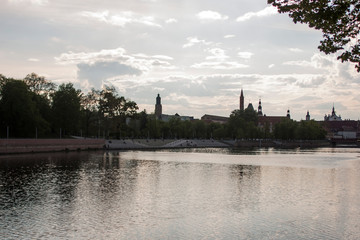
(66, 109)
(339, 21)
(19, 110)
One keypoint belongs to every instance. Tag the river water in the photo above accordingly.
(182, 194)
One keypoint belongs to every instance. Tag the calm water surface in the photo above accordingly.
(183, 194)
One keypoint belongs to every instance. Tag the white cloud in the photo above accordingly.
(33, 60)
(92, 57)
(140, 61)
(295, 50)
(229, 36)
(221, 65)
(191, 41)
(318, 61)
(171, 20)
(211, 15)
(245, 55)
(268, 11)
(216, 54)
(121, 19)
(34, 2)
(271, 66)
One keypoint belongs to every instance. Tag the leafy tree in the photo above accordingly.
(113, 110)
(339, 21)
(66, 109)
(285, 129)
(20, 111)
(199, 129)
(310, 130)
(89, 113)
(39, 85)
(3, 81)
(242, 124)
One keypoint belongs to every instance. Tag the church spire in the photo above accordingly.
(288, 113)
(260, 109)
(333, 111)
(241, 101)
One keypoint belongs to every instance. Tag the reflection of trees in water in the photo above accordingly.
(121, 185)
(248, 180)
(39, 178)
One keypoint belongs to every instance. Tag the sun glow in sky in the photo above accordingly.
(196, 54)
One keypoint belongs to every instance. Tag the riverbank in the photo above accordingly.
(208, 143)
(14, 146)
(283, 144)
(128, 144)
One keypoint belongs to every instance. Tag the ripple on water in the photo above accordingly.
(181, 195)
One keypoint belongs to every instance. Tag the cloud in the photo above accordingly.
(216, 54)
(220, 65)
(33, 60)
(92, 57)
(210, 16)
(245, 55)
(121, 19)
(33, 2)
(97, 72)
(191, 41)
(142, 62)
(296, 50)
(171, 20)
(218, 60)
(310, 81)
(317, 61)
(268, 11)
(229, 36)
(271, 66)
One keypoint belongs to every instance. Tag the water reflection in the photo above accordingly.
(183, 194)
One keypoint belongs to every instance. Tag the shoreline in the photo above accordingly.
(18, 146)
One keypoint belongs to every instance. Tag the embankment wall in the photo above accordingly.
(8, 146)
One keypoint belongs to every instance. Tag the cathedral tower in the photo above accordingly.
(308, 116)
(260, 109)
(158, 107)
(288, 113)
(242, 101)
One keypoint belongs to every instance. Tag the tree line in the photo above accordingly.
(34, 107)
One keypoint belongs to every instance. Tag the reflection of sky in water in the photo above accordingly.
(186, 194)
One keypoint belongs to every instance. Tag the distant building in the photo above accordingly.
(165, 117)
(333, 116)
(158, 107)
(270, 121)
(241, 101)
(250, 106)
(307, 116)
(346, 129)
(215, 119)
(340, 129)
(260, 113)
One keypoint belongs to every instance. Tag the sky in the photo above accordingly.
(197, 55)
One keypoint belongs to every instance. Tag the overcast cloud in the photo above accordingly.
(197, 54)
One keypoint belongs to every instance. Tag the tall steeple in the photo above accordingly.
(158, 107)
(308, 116)
(242, 101)
(288, 113)
(260, 109)
(333, 111)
